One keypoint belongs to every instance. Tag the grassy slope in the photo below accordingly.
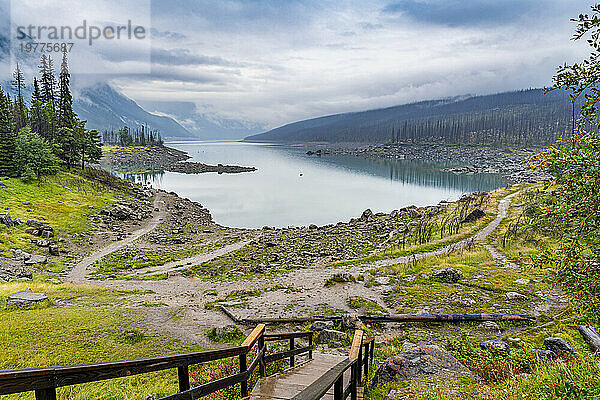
(577, 379)
(64, 201)
(85, 324)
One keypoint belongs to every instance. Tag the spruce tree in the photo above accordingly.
(20, 110)
(7, 138)
(65, 100)
(48, 79)
(36, 113)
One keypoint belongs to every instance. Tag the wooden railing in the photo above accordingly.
(45, 381)
(358, 362)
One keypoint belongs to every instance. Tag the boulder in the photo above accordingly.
(490, 326)
(351, 321)
(36, 259)
(53, 249)
(367, 215)
(419, 362)
(25, 299)
(121, 212)
(546, 354)
(474, 216)
(522, 281)
(413, 213)
(321, 325)
(450, 275)
(20, 255)
(497, 345)
(38, 228)
(515, 296)
(6, 219)
(329, 335)
(227, 332)
(559, 346)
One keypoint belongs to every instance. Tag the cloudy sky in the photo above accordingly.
(276, 61)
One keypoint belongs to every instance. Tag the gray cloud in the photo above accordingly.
(186, 57)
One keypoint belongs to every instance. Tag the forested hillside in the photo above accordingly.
(514, 118)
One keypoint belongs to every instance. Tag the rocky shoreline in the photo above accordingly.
(160, 158)
(515, 164)
(187, 167)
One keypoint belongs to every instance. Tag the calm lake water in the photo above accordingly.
(292, 188)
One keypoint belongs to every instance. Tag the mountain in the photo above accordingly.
(202, 125)
(520, 117)
(105, 108)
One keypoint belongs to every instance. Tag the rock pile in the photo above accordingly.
(41, 229)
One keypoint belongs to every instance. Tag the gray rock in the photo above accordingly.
(321, 325)
(20, 255)
(226, 330)
(413, 213)
(522, 281)
(36, 259)
(367, 215)
(515, 296)
(121, 212)
(11, 270)
(6, 219)
(43, 243)
(351, 321)
(546, 354)
(54, 250)
(490, 326)
(329, 335)
(497, 345)
(450, 275)
(474, 216)
(25, 299)
(559, 346)
(419, 362)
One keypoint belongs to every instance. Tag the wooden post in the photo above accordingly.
(366, 360)
(353, 394)
(310, 343)
(45, 394)
(372, 350)
(359, 365)
(292, 358)
(261, 363)
(338, 389)
(244, 368)
(184, 378)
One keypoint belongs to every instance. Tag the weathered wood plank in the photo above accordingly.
(254, 335)
(356, 345)
(448, 318)
(591, 337)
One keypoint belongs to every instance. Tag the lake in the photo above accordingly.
(292, 188)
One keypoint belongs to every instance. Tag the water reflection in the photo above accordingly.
(292, 188)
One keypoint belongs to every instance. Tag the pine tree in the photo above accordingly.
(48, 79)
(36, 113)
(7, 138)
(20, 110)
(65, 100)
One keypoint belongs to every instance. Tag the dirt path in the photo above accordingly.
(177, 305)
(479, 238)
(191, 261)
(79, 271)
